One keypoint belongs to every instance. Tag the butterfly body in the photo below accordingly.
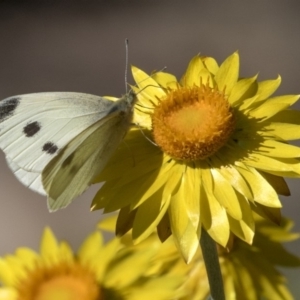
(56, 143)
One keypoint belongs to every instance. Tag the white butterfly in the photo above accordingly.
(56, 143)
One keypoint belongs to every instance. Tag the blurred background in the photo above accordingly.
(79, 46)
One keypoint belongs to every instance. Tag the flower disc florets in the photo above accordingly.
(60, 281)
(192, 123)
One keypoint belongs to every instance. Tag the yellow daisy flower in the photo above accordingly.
(95, 272)
(209, 149)
(249, 272)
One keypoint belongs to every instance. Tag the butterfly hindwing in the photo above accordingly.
(72, 171)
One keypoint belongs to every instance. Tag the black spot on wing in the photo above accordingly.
(74, 169)
(32, 128)
(50, 148)
(7, 107)
(68, 160)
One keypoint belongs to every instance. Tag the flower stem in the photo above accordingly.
(211, 260)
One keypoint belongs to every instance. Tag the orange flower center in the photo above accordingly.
(63, 281)
(192, 123)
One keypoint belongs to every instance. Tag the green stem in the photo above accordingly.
(211, 260)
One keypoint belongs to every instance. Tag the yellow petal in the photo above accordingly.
(27, 256)
(277, 234)
(267, 88)
(228, 73)
(184, 233)
(272, 165)
(163, 228)
(166, 80)
(114, 276)
(66, 252)
(15, 267)
(228, 280)
(108, 223)
(285, 124)
(243, 280)
(125, 220)
(105, 255)
(272, 106)
(269, 213)
(8, 293)
(115, 196)
(243, 89)
(149, 88)
(150, 163)
(174, 180)
(126, 157)
(7, 275)
(232, 175)
(247, 104)
(278, 183)
(49, 246)
(225, 194)
(272, 288)
(155, 182)
(206, 78)
(284, 131)
(210, 64)
(141, 115)
(287, 116)
(286, 99)
(262, 191)
(245, 227)
(102, 198)
(191, 190)
(192, 74)
(164, 289)
(148, 216)
(278, 149)
(90, 247)
(213, 215)
(127, 194)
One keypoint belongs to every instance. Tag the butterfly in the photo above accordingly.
(56, 143)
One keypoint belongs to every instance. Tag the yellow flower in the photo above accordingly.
(95, 272)
(209, 149)
(249, 272)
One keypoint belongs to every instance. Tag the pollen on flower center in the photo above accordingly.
(64, 281)
(192, 123)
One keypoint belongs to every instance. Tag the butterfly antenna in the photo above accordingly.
(143, 133)
(126, 64)
(161, 70)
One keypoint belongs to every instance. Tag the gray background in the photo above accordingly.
(79, 46)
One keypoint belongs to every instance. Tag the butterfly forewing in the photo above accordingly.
(35, 127)
(32, 180)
